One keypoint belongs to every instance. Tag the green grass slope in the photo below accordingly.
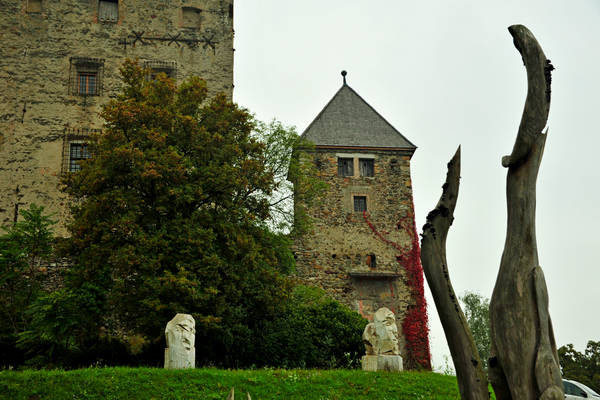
(153, 383)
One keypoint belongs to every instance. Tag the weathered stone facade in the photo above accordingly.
(59, 64)
(352, 254)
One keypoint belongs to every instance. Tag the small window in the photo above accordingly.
(345, 166)
(34, 6)
(77, 152)
(86, 76)
(108, 10)
(366, 167)
(360, 203)
(169, 68)
(372, 261)
(191, 17)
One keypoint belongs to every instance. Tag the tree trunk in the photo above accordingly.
(472, 382)
(524, 362)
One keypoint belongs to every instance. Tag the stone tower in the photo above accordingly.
(59, 63)
(363, 226)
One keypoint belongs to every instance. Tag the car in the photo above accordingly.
(575, 390)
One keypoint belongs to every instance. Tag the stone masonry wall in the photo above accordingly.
(42, 43)
(338, 254)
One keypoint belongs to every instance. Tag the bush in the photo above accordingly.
(314, 331)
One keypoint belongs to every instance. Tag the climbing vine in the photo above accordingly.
(415, 325)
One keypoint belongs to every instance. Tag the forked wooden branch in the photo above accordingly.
(524, 363)
(472, 382)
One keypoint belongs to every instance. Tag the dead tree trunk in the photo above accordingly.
(524, 362)
(472, 382)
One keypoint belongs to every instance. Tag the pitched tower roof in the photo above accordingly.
(349, 121)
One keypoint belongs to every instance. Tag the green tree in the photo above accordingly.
(581, 367)
(24, 248)
(295, 176)
(313, 331)
(477, 312)
(170, 216)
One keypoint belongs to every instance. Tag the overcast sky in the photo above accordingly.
(446, 73)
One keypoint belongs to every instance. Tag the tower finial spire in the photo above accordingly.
(344, 73)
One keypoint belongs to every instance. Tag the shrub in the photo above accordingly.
(314, 331)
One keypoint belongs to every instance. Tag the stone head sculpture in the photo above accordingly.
(181, 336)
(181, 332)
(381, 335)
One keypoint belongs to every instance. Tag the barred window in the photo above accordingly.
(77, 152)
(360, 203)
(108, 10)
(366, 167)
(75, 147)
(169, 68)
(86, 76)
(345, 166)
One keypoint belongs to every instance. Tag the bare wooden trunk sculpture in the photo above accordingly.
(524, 362)
(472, 381)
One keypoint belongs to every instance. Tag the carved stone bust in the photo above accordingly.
(181, 336)
(381, 336)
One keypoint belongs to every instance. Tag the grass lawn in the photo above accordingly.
(154, 383)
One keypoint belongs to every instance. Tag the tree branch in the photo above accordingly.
(472, 382)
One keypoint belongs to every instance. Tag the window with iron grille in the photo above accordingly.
(366, 166)
(108, 10)
(75, 149)
(345, 166)
(169, 68)
(77, 152)
(360, 203)
(85, 77)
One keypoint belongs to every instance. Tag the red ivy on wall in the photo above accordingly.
(415, 325)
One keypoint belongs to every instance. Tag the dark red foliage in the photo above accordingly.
(415, 325)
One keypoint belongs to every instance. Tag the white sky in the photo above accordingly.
(446, 73)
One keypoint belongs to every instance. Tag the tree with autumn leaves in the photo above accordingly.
(171, 214)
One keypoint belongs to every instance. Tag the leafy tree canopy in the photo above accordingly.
(23, 248)
(477, 313)
(295, 176)
(582, 367)
(171, 216)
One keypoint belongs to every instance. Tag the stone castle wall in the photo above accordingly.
(46, 43)
(342, 254)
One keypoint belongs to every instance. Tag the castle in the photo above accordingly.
(362, 248)
(59, 63)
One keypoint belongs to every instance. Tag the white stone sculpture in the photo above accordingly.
(181, 336)
(381, 343)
